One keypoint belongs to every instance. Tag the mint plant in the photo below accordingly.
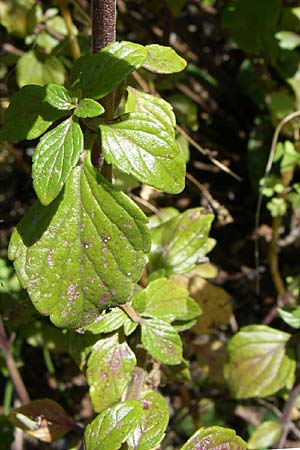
(81, 249)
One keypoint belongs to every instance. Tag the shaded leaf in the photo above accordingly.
(102, 71)
(176, 5)
(141, 146)
(214, 438)
(32, 70)
(28, 115)
(113, 426)
(161, 59)
(54, 159)
(58, 97)
(265, 435)
(180, 243)
(109, 371)
(162, 341)
(92, 240)
(154, 421)
(258, 362)
(88, 108)
(43, 418)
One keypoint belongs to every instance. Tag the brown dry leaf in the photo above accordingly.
(212, 357)
(214, 302)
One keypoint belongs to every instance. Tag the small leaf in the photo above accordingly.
(88, 108)
(291, 316)
(141, 146)
(43, 418)
(153, 424)
(161, 59)
(258, 364)
(102, 71)
(32, 70)
(58, 97)
(288, 39)
(82, 253)
(158, 108)
(28, 115)
(162, 299)
(113, 426)
(109, 371)
(180, 243)
(54, 159)
(214, 438)
(265, 435)
(162, 341)
(108, 322)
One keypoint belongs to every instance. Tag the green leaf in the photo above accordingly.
(58, 97)
(258, 362)
(28, 115)
(32, 70)
(265, 435)
(290, 156)
(113, 426)
(261, 18)
(89, 108)
(163, 299)
(162, 341)
(102, 71)
(54, 159)
(92, 242)
(158, 108)
(180, 243)
(176, 5)
(291, 316)
(154, 421)
(288, 40)
(213, 438)
(109, 371)
(108, 322)
(161, 59)
(141, 146)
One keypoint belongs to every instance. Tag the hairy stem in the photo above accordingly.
(285, 419)
(104, 33)
(65, 12)
(12, 367)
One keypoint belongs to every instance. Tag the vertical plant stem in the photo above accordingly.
(273, 257)
(103, 33)
(65, 12)
(285, 419)
(12, 367)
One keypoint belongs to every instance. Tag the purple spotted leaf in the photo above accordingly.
(162, 341)
(83, 252)
(215, 438)
(153, 424)
(109, 370)
(113, 426)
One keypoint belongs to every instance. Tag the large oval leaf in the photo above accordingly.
(113, 426)
(141, 146)
(83, 252)
(259, 364)
(153, 423)
(215, 438)
(102, 71)
(54, 158)
(109, 371)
